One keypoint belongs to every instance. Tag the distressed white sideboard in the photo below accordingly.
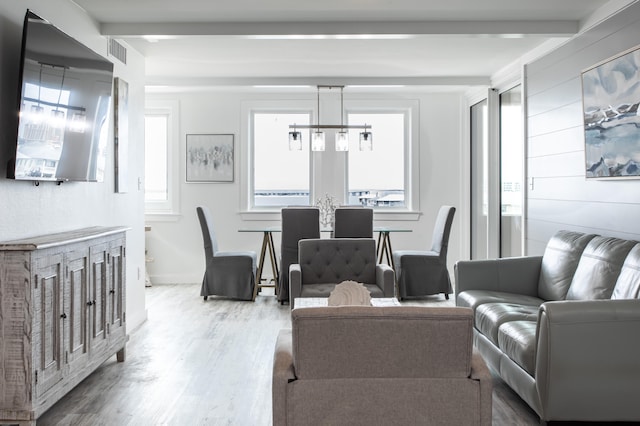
(62, 314)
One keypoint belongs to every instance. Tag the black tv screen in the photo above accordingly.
(64, 104)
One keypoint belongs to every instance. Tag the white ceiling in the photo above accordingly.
(422, 42)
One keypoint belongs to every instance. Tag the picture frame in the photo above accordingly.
(121, 134)
(610, 99)
(210, 158)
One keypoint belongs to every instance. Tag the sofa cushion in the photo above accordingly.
(517, 339)
(628, 284)
(381, 342)
(490, 316)
(559, 263)
(474, 298)
(599, 268)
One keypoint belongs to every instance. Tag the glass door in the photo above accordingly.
(479, 180)
(511, 172)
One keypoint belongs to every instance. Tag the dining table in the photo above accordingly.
(384, 251)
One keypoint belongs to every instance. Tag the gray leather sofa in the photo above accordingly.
(562, 329)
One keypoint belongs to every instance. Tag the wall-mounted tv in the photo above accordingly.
(64, 104)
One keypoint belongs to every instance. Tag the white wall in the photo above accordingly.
(558, 195)
(177, 246)
(29, 210)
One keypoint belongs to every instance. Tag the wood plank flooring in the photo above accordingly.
(206, 363)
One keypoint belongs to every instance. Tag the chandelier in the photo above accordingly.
(342, 136)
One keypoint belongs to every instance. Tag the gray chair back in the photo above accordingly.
(333, 260)
(353, 222)
(208, 234)
(298, 223)
(441, 230)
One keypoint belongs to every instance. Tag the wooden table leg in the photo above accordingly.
(390, 253)
(383, 247)
(379, 245)
(263, 251)
(274, 263)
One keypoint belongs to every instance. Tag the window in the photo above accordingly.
(382, 178)
(280, 176)
(160, 164)
(155, 160)
(389, 141)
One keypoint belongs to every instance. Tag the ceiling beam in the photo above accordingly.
(315, 81)
(471, 28)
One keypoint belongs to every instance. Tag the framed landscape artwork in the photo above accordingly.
(210, 158)
(610, 96)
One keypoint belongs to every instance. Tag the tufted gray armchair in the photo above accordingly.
(323, 263)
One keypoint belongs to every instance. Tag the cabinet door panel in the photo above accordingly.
(75, 307)
(97, 297)
(47, 350)
(116, 284)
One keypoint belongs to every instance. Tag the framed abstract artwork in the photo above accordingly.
(210, 158)
(610, 97)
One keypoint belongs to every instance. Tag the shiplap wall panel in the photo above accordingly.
(560, 142)
(564, 93)
(564, 165)
(577, 189)
(553, 120)
(561, 196)
(598, 217)
(542, 231)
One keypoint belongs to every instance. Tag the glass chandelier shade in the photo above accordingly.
(295, 141)
(317, 141)
(366, 141)
(342, 141)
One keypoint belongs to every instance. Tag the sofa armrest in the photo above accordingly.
(511, 274)
(385, 279)
(588, 360)
(283, 373)
(295, 282)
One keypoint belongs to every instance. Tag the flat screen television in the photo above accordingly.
(64, 103)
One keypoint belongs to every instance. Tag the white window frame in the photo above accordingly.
(249, 109)
(412, 154)
(168, 210)
(410, 110)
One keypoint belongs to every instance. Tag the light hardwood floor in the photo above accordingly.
(206, 363)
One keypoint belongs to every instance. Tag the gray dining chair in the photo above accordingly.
(298, 223)
(424, 272)
(353, 222)
(232, 273)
